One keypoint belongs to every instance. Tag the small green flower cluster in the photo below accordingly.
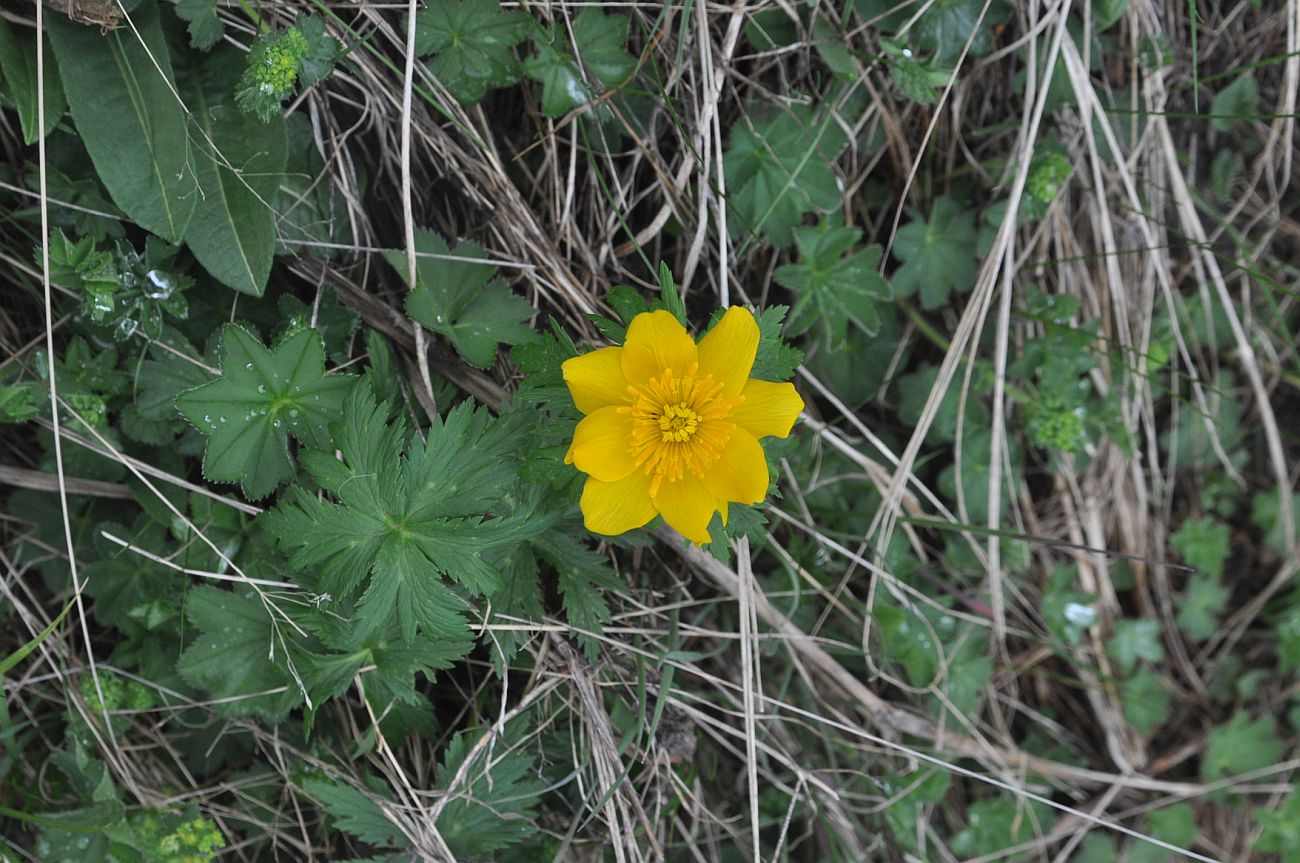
(119, 694)
(274, 64)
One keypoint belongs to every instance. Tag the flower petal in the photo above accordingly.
(611, 508)
(596, 379)
(768, 408)
(728, 351)
(602, 445)
(687, 507)
(740, 473)
(656, 341)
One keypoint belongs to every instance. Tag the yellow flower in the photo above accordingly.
(671, 427)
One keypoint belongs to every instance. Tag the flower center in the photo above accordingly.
(679, 424)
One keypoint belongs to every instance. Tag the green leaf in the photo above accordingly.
(584, 578)
(939, 254)
(1280, 828)
(947, 25)
(406, 510)
(1000, 823)
(239, 160)
(131, 122)
(1106, 12)
(19, 403)
(1241, 746)
(1237, 101)
(460, 300)
(261, 398)
(917, 80)
(1134, 640)
(205, 26)
(1266, 514)
(779, 167)
(1174, 824)
(1146, 701)
(1199, 606)
(495, 806)
(83, 268)
(1067, 611)
(1224, 170)
(323, 50)
(834, 288)
(1287, 627)
(776, 360)
(1203, 545)
(355, 813)
(600, 40)
(18, 65)
(472, 42)
(231, 657)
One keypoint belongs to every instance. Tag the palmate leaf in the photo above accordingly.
(494, 806)
(261, 398)
(205, 26)
(471, 41)
(778, 168)
(461, 300)
(405, 513)
(132, 124)
(833, 289)
(939, 254)
(231, 657)
(601, 41)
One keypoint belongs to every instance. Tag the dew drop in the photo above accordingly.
(221, 419)
(248, 366)
(277, 423)
(160, 285)
(261, 388)
(207, 418)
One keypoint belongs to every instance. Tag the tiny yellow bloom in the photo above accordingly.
(672, 427)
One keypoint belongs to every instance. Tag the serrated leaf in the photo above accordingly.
(600, 40)
(938, 254)
(18, 403)
(205, 26)
(776, 360)
(778, 168)
(405, 512)
(834, 288)
(1146, 701)
(1199, 606)
(132, 124)
(355, 813)
(231, 656)
(18, 65)
(262, 397)
(1134, 640)
(472, 42)
(239, 160)
(461, 300)
(1203, 545)
(495, 805)
(83, 268)
(1240, 746)
(583, 578)
(323, 50)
